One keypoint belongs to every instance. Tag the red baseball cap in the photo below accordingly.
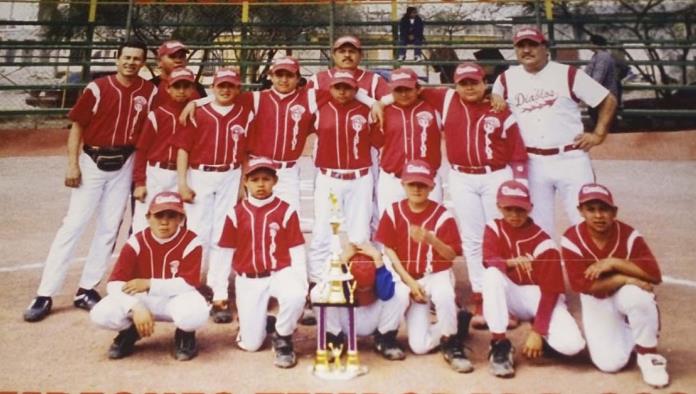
(418, 171)
(171, 47)
(287, 63)
(260, 162)
(529, 33)
(514, 194)
(343, 76)
(167, 201)
(595, 191)
(469, 70)
(181, 74)
(363, 269)
(226, 75)
(403, 77)
(347, 40)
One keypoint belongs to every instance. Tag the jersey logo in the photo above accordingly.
(139, 102)
(296, 112)
(536, 100)
(236, 130)
(357, 122)
(273, 232)
(424, 120)
(174, 267)
(490, 123)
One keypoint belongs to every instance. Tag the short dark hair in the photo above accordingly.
(598, 40)
(132, 44)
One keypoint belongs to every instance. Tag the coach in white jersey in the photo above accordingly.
(545, 97)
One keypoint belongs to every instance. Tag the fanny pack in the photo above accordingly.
(110, 158)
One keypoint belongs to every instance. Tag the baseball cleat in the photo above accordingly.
(185, 345)
(387, 345)
(284, 353)
(308, 317)
(221, 313)
(501, 360)
(39, 308)
(124, 343)
(453, 353)
(654, 369)
(86, 299)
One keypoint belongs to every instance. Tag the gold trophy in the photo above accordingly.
(336, 291)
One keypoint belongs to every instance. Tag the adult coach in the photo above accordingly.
(171, 55)
(106, 121)
(544, 96)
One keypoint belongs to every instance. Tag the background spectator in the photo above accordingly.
(411, 33)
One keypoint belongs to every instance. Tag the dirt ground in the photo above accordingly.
(653, 176)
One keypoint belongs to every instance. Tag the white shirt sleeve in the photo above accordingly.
(588, 90)
(298, 263)
(498, 87)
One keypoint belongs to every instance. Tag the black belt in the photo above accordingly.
(215, 168)
(349, 175)
(255, 275)
(167, 165)
(93, 151)
(477, 170)
(551, 151)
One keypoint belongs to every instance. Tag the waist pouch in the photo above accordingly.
(109, 158)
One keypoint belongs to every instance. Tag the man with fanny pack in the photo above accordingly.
(106, 121)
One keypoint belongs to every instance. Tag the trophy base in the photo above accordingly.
(344, 373)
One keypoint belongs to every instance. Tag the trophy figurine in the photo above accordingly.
(336, 291)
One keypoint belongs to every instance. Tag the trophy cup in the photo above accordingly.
(336, 291)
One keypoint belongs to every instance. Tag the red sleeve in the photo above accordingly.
(386, 232)
(434, 97)
(145, 141)
(382, 88)
(185, 138)
(82, 111)
(547, 302)
(518, 152)
(449, 234)
(575, 266)
(377, 135)
(548, 273)
(294, 232)
(191, 267)
(124, 269)
(643, 258)
(245, 99)
(492, 255)
(322, 97)
(228, 239)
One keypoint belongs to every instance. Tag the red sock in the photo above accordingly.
(498, 337)
(645, 350)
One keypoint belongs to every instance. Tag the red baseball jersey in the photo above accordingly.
(374, 85)
(502, 242)
(580, 251)
(344, 137)
(162, 96)
(154, 143)
(418, 258)
(262, 236)
(144, 257)
(409, 133)
(475, 136)
(218, 139)
(112, 114)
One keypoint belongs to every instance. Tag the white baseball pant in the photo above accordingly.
(390, 190)
(610, 336)
(502, 297)
(355, 205)
(566, 173)
(288, 186)
(474, 200)
(189, 311)
(157, 180)
(103, 192)
(252, 302)
(375, 173)
(216, 194)
(424, 336)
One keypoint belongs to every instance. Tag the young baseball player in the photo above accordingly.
(379, 305)
(155, 278)
(421, 240)
(211, 151)
(342, 157)
(171, 55)
(106, 121)
(268, 257)
(155, 157)
(611, 266)
(523, 277)
(410, 131)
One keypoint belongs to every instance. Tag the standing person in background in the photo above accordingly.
(171, 55)
(602, 68)
(411, 33)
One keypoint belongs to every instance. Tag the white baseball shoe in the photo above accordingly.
(654, 369)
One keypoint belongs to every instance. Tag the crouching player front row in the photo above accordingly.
(155, 278)
(523, 277)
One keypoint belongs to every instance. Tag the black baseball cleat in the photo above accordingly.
(124, 343)
(387, 345)
(453, 352)
(501, 359)
(86, 299)
(284, 353)
(38, 309)
(185, 347)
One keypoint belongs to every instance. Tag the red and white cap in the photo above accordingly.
(167, 201)
(514, 194)
(171, 47)
(595, 191)
(181, 74)
(287, 63)
(343, 76)
(226, 75)
(469, 70)
(347, 40)
(529, 33)
(403, 77)
(418, 171)
(363, 269)
(258, 163)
